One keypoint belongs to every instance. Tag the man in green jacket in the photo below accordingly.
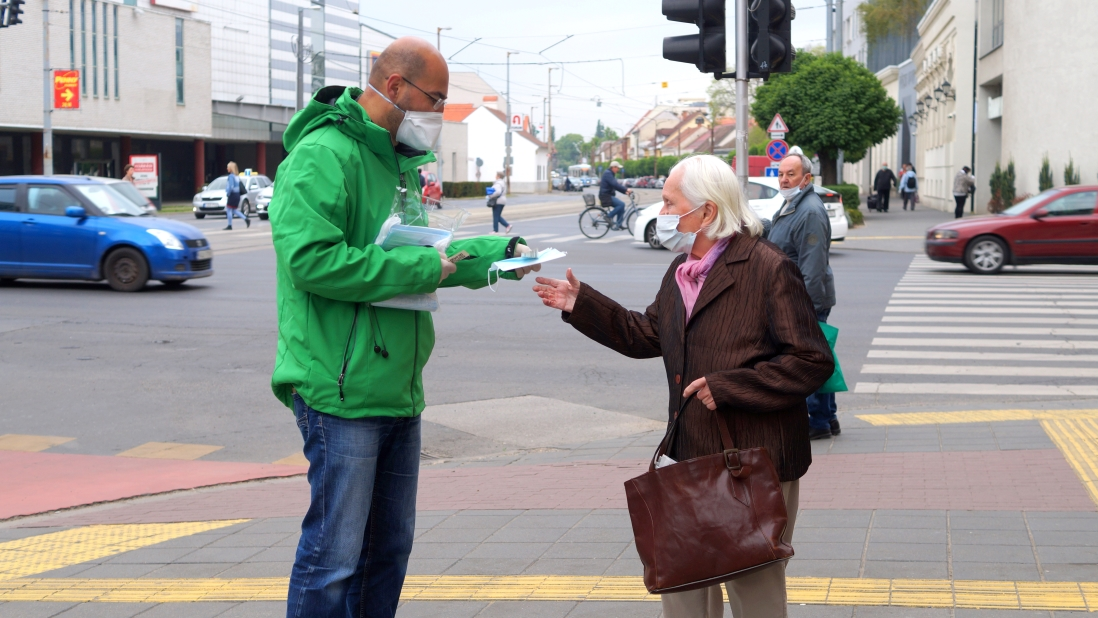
(352, 371)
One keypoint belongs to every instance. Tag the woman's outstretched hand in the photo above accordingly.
(558, 294)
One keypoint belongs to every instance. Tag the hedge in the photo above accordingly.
(465, 189)
(851, 201)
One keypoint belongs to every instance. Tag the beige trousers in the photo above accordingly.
(758, 595)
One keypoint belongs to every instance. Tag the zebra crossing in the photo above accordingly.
(1020, 333)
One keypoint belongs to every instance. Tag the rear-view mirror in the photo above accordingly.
(76, 212)
(1040, 213)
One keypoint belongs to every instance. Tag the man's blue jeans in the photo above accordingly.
(357, 534)
(618, 210)
(821, 406)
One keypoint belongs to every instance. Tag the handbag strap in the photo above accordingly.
(726, 437)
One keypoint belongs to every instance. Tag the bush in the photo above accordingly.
(995, 204)
(1044, 178)
(1006, 188)
(465, 189)
(1071, 174)
(855, 217)
(851, 199)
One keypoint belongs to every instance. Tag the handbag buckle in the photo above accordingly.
(728, 457)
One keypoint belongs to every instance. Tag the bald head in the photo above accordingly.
(412, 75)
(411, 57)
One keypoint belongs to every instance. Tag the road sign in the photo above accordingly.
(777, 136)
(66, 89)
(777, 149)
(771, 172)
(777, 125)
(146, 174)
(516, 122)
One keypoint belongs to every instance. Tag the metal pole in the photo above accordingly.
(549, 129)
(830, 29)
(47, 105)
(300, 57)
(840, 32)
(507, 157)
(741, 94)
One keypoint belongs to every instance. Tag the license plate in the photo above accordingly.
(205, 254)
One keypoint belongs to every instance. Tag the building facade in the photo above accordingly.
(487, 127)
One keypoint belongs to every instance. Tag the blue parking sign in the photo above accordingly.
(771, 172)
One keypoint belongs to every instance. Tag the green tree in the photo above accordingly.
(1071, 175)
(830, 103)
(996, 184)
(1006, 187)
(881, 18)
(1044, 178)
(569, 149)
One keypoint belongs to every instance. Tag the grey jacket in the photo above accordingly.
(802, 230)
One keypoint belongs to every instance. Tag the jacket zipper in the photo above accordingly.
(346, 348)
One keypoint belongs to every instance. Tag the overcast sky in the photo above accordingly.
(632, 31)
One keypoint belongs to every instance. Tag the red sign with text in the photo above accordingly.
(66, 89)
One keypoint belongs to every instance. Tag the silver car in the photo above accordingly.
(211, 200)
(263, 201)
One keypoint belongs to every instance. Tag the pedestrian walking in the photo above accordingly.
(234, 188)
(496, 202)
(882, 184)
(909, 186)
(963, 183)
(802, 230)
(351, 371)
(736, 330)
(127, 173)
(608, 184)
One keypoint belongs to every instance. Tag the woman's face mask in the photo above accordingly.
(667, 231)
(420, 130)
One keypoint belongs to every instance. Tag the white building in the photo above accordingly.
(487, 127)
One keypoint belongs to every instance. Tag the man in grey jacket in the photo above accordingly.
(802, 230)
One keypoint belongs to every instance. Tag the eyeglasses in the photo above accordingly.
(437, 102)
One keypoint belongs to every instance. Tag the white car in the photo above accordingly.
(765, 200)
(263, 201)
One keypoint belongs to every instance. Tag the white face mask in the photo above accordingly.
(790, 193)
(420, 130)
(667, 231)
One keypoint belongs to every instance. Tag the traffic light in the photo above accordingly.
(10, 10)
(769, 38)
(707, 49)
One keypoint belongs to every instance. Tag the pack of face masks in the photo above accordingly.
(515, 263)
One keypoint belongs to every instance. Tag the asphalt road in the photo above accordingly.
(193, 365)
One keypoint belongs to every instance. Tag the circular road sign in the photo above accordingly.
(777, 149)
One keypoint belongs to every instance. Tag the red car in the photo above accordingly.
(1059, 226)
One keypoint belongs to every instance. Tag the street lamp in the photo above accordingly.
(438, 38)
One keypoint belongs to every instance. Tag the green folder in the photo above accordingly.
(836, 383)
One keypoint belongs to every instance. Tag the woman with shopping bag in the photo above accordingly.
(742, 349)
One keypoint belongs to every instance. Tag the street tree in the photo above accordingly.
(830, 103)
(569, 149)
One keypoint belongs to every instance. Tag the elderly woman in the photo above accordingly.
(735, 327)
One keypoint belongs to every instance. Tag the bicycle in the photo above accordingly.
(595, 221)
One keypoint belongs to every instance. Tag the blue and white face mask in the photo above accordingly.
(667, 231)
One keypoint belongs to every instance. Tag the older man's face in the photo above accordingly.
(791, 174)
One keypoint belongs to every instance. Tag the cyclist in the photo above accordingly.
(607, 186)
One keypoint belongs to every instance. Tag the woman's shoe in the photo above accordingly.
(508, 230)
(247, 223)
(227, 227)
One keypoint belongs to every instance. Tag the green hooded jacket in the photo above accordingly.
(333, 192)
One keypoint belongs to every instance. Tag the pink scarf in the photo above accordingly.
(691, 274)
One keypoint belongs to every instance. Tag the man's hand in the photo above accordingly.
(629, 192)
(558, 294)
(522, 250)
(448, 268)
(701, 387)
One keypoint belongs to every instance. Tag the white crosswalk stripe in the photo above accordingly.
(1026, 332)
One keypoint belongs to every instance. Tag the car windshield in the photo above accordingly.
(109, 201)
(1027, 203)
(218, 184)
(131, 193)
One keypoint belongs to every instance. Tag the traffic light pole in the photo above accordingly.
(47, 104)
(742, 121)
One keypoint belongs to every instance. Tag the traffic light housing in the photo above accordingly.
(10, 10)
(707, 50)
(770, 44)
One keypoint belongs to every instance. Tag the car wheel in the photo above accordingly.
(244, 207)
(199, 215)
(174, 284)
(126, 270)
(986, 255)
(263, 216)
(650, 235)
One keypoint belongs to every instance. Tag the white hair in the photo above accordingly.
(806, 163)
(706, 178)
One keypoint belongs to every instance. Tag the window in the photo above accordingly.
(756, 191)
(83, 50)
(7, 198)
(106, 64)
(179, 61)
(95, 52)
(116, 51)
(72, 34)
(48, 201)
(1075, 204)
(996, 23)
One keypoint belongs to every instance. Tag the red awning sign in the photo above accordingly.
(66, 89)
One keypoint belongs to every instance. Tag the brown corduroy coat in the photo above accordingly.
(753, 336)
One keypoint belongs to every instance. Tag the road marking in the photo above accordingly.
(536, 236)
(612, 239)
(28, 443)
(990, 343)
(941, 593)
(988, 320)
(883, 237)
(968, 370)
(985, 356)
(1011, 303)
(297, 459)
(46, 552)
(990, 330)
(973, 416)
(170, 450)
(567, 238)
(1077, 439)
(1013, 289)
(983, 310)
(952, 388)
(1004, 295)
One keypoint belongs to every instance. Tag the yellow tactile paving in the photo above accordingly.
(169, 450)
(29, 443)
(297, 459)
(973, 416)
(974, 594)
(1077, 439)
(46, 552)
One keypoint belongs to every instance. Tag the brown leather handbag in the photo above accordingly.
(707, 520)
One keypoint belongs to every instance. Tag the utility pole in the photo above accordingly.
(440, 158)
(549, 128)
(47, 104)
(507, 136)
(741, 94)
(830, 28)
(840, 27)
(438, 38)
(300, 58)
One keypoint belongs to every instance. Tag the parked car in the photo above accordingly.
(433, 189)
(131, 193)
(211, 200)
(263, 201)
(764, 199)
(629, 182)
(78, 227)
(1058, 226)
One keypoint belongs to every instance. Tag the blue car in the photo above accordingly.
(79, 227)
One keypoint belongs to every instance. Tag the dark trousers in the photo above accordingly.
(821, 406)
(960, 211)
(908, 197)
(882, 199)
(497, 218)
